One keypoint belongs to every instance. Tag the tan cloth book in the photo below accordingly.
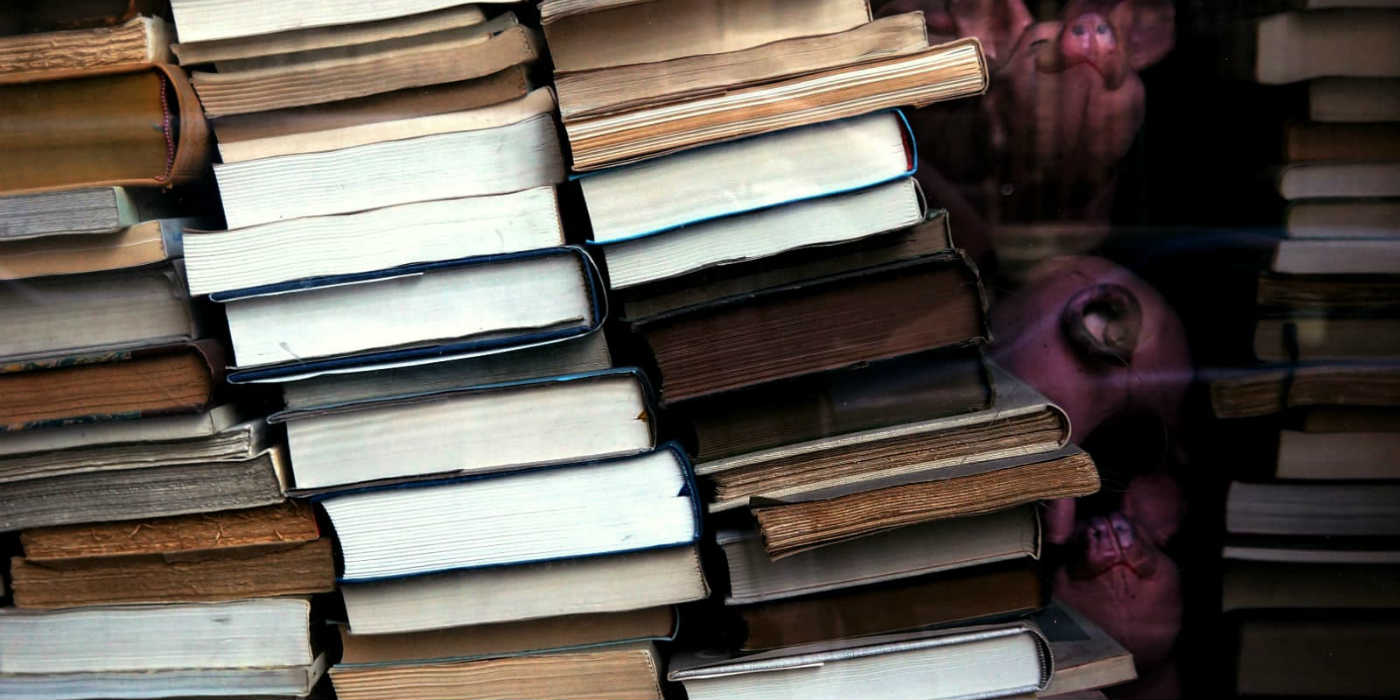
(287, 523)
(51, 55)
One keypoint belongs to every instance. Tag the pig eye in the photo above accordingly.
(1103, 29)
(1077, 30)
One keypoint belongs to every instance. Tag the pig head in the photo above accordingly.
(1064, 106)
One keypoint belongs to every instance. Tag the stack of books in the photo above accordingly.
(1311, 549)
(507, 523)
(815, 338)
(158, 555)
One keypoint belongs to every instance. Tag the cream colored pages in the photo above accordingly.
(321, 38)
(539, 101)
(659, 31)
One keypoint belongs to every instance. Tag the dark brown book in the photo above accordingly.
(178, 379)
(902, 390)
(810, 327)
(1342, 142)
(961, 597)
(717, 283)
(502, 86)
(138, 128)
(47, 15)
(851, 511)
(1265, 391)
(248, 572)
(286, 523)
(1332, 295)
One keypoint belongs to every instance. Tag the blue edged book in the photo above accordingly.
(628, 504)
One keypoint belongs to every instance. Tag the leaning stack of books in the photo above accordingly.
(1311, 550)
(159, 556)
(816, 338)
(508, 524)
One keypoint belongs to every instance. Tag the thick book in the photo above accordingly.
(732, 178)
(210, 20)
(818, 325)
(1352, 218)
(323, 246)
(1345, 295)
(933, 235)
(144, 244)
(140, 494)
(168, 428)
(1322, 339)
(139, 41)
(906, 389)
(229, 574)
(1345, 656)
(263, 682)
(1085, 656)
(292, 41)
(291, 522)
(898, 554)
(1305, 141)
(1337, 257)
(761, 234)
(99, 210)
(270, 632)
(959, 597)
(1303, 549)
(1328, 180)
(508, 638)
(649, 32)
(1351, 455)
(234, 443)
(502, 86)
(1260, 585)
(1263, 391)
(539, 101)
(612, 583)
(815, 518)
(435, 309)
(100, 312)
(620, 671)
(620, 89)
(1354, 100)
(985, 662)
(555, 10)
(473, 430)
(629, 504)
(337, 73)
(575, 356)
(113, 386)
(945, 72)
(439, 166)
(138, 128)
(1295, 46)
(1323, 509)
(1020, 423)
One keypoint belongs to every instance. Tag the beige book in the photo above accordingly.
(1334, 180)
(555, 10)
(949, 71)
(1354, 100)
(540, 101)
(658, 31)
(211, 20)
(145, 243)
(623, 672)
(501, 86)
(328, 75)
(298, 40)
(1294, 46)
(507, 638)
(62, 54)
(610, 583)
(610, 90)
(1344, 218)
(1350, 455)
(1314, 339)
(1332, 257)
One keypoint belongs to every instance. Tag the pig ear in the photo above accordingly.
(1154, 502)
(997, 23)
(1147, 29)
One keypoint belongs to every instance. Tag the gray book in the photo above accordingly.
(134, 494)
(73, 212)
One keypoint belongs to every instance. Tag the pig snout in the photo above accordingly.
(1112, 543)
(1089, 38)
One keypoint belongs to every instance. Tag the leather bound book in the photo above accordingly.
(946, 599)
(250, 572)
(139, 128)
(154, 381)
(286, 523)
(51, 55)
(809, 327)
